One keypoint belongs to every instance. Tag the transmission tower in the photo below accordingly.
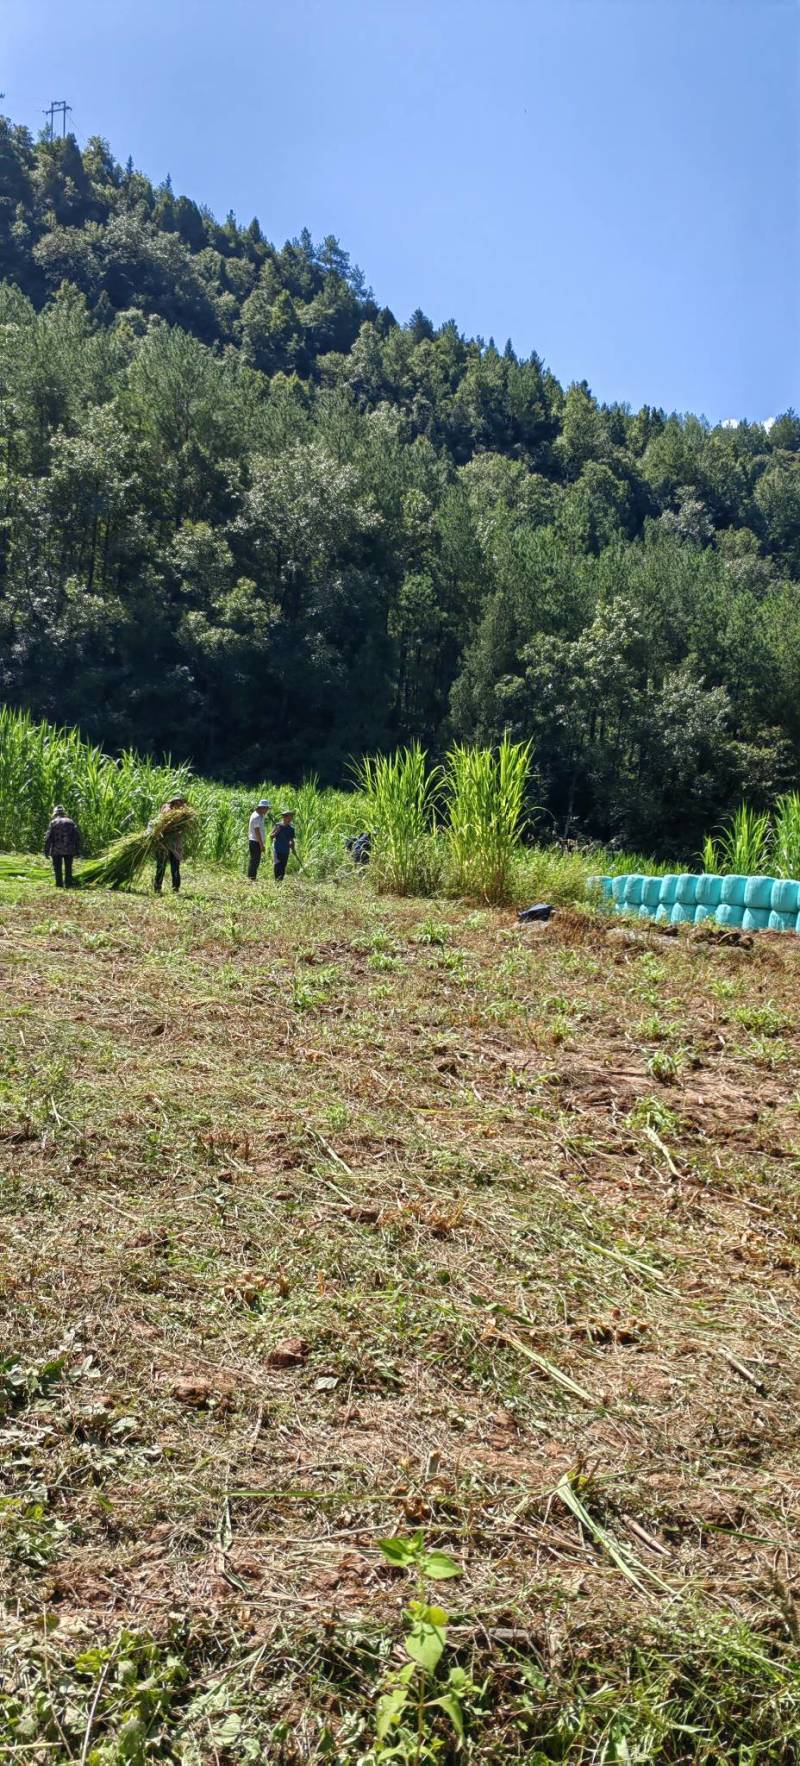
(59, 107)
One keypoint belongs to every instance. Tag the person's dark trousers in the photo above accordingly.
(279, 867)
(62, 867)
(255, 860)
(175, 870)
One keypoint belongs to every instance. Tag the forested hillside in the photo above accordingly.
(248, 517)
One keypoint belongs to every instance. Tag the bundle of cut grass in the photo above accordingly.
(125, 859)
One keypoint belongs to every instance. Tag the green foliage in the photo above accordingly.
(41, 766)
(114, 800)
(112, 1704)
(406, 1728)
(19, 1385)
(754, 843)
(401, 795)
(119, 867)
(249, 518)
(785, 850)
(743, 847)
(485, 803)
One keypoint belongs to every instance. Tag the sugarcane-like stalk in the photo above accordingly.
(125, 859)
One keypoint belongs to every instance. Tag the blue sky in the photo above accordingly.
(613, 183)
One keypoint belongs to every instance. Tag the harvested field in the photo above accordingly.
(325, 1218)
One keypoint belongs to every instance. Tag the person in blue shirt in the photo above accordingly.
(282, 844)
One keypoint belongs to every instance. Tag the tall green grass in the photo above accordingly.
(402, 797)
(41, 766)
(786, 836)
(456, 829)
(743, 847)
(754, 843)
(485, 791)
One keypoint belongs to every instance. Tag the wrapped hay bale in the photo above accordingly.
(682, 913)
(728, 913)
(786, 897)
(781, 922)
(758, 892)
(733, 889)
(709, 890)
(634, 884)
(668, 891)
(651, 893)
(618, 889)
(686, 889)
(755, 919)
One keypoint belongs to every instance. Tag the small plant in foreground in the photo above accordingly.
(20, 1385)
(664, 1067)
(412, 1696)
(762, 1020)
(434, 932)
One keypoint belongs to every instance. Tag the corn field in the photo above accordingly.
(41, 766)
(455, 829)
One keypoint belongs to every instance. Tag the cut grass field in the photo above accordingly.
(325, 1218)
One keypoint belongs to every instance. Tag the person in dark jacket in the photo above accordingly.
(172, 852)
(282, 844)
(62, 844)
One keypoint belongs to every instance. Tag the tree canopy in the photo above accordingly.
(249, 518)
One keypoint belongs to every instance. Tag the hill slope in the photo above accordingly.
(247, 517)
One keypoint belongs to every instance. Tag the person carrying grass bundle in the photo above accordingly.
(257, 838)
(171, 850)
(282, 838)
(62, 844)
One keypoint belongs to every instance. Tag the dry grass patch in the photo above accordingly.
(302, 1250)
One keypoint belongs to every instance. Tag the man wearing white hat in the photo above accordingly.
(257, 837)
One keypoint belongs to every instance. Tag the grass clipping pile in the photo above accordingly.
(499, 1278)
(126, 858)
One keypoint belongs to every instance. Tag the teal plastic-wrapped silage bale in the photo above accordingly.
(686, 891)
(663, 912)
(618, 888)
(728, 914)
(646, 913)
(667, 892)
(702, 913)
(786, 897)
(651, 893)
(781, 922)
(758, 892)
(755, 919)
(709, 890)
(733, 889)
(682, 913)
(634, 885)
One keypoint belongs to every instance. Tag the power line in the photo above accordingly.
(59, 106)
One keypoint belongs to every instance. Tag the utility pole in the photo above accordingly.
(60, 106)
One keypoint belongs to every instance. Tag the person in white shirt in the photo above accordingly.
(257, 838)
